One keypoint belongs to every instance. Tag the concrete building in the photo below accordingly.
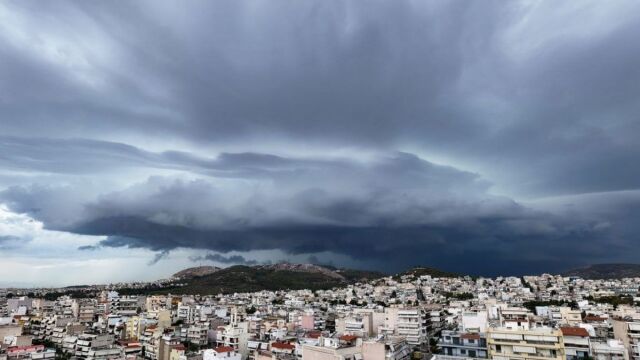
(576, 343)
(221, 353)
(610, 350)
(514, 344)
(471, 345)
(627, 329)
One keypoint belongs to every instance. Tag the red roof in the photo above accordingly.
(314, 334)
(223, 349)
(284, 346)
(574, 331)
(25, 348)
(470, 336)
(129, 343)
(348, 337)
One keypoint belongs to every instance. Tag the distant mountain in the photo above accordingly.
(606, 271)
(433, 272)
(195, 272)
(281, 276)
(305, 268)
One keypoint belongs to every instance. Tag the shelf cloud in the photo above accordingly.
(467, 135)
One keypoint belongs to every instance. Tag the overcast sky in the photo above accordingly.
(485, 137)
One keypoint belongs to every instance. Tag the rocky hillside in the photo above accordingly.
(274, 277)
(606, 271)
(195, 272)
(306, 268)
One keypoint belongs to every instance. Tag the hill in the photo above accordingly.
(242, 278)
(195, 272)
(606, 271)
(280, 276)
(433, 272)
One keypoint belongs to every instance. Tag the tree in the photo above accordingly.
(191, 347)
(277, 301)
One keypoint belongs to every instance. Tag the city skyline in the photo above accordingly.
(488, 138)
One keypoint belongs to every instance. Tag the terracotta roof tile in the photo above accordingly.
(223, 349)
(284, 346)
(348, 337)
(574, 331)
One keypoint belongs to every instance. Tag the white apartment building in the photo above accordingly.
(610, 350)
(521, 344)
(410, 323)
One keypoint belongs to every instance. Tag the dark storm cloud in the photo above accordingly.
(159, 256)
(537, 100)
(384, 211)
(467, 80)
(233, 259)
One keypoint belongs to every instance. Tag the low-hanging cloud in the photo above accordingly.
(393, 133)
(396, 204)
(219, 258)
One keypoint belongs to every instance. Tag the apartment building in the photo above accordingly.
(576, 343)
(407, 322)
(186, 313)
(609, 350)
(126, 305)
(197, 335)
(520, 344)
(347, 347)
(235, 335)
(627, 329)
(360, 324)
(221, 353)
(89, 345)
(514, 318)
(455, 343)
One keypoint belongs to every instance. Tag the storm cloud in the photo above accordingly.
(391, 133)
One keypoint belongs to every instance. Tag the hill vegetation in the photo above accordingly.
(211, 280)
(242, 278)
(606, 271)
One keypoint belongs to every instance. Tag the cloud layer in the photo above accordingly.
(388, 134)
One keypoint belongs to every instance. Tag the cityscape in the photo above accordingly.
(422, 313)
(320, 179)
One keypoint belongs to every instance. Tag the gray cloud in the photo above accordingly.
(159, 256)
(398, 203)
(319, 126)
(8, 242)
(233, 259)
